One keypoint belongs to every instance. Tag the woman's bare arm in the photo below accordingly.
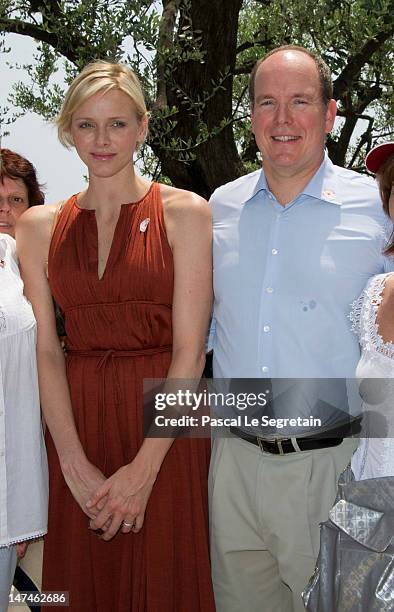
(33, 238)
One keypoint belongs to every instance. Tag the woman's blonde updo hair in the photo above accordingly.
(99, 76)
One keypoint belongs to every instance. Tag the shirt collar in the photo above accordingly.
(323, 184)
(257, 184)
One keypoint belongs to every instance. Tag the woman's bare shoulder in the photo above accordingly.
(385, 315)
(36, 216)
(177, 201)
(186, 215)
(388, 293)
(34, 230)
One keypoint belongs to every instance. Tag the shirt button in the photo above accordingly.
(264, 369)
(269, 290)
(266, 328)
(274, 251)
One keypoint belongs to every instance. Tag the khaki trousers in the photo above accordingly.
(265, 512)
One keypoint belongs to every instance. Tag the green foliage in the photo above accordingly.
(72, 32)
(338, 30)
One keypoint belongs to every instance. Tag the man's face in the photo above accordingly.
(289, 119)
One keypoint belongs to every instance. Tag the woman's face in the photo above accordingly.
(14, 200)
(105, 130)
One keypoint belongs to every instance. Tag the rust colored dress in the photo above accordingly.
(118, 332)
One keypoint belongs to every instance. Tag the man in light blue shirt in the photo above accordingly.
(294, 244)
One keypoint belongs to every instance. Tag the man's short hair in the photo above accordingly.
(322, 69)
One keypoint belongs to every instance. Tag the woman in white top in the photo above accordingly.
(373, 320)
(23, 466)
(355, 569)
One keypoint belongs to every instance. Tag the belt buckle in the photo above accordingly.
(277, 442)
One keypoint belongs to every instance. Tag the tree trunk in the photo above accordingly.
(217, 160)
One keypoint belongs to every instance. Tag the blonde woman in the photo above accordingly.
(129, 263)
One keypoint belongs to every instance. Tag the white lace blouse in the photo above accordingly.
(375, 373)
(23, 464)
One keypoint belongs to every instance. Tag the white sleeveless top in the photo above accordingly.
(374, 457)
(23, 463)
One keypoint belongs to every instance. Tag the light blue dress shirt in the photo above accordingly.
(285, 276)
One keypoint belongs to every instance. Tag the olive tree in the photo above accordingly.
(194, 57)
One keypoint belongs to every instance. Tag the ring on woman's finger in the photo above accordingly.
(128, 524)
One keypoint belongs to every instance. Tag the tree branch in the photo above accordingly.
(246, 45)
(244, 68)
(353, 114)
(264, 2)
(355, 63)
(15, 26)
(365, 138)
(42, 6)
(166, 36)
(256, 42)
(369, 95)
(259, 39)
(239, 101)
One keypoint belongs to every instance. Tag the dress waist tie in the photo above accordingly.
(107, 357)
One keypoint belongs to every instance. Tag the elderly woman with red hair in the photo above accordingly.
(23, 466)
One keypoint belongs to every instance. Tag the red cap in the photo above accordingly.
(378, 155)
